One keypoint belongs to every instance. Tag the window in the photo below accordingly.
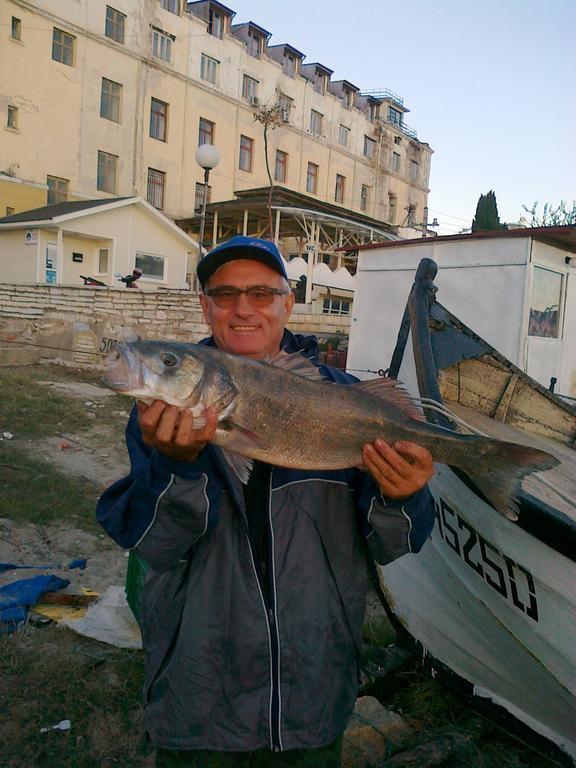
(155, 188)
(254, 45)
(205, 132)
(414, 170)
(246, 153)
(9, 210)
(312, 178)
(57, 189)
(545, 303)
(162, 45)
(12, 118)
(152, 266)
(63, 47)
(281, 165)
(289, 64)
(107, 171)
(216, 24)
(16, 29)
(373, 111)
(110, 100)
(411, 215)
(249, 88)
(208, 68)
(102, 261)
(394, 116)
(339, 191)
(319, 84)
(397, 140)
(392, 209)
(396, 162)
(343, 134)
(369, 145)
(364, 195)
(115, 24)
(171, 5)
(285, 103)
(199, 196)
(335, 307)
(158, 119)
(316, 122)
(348, 99)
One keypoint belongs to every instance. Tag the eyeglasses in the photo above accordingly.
(257, 295)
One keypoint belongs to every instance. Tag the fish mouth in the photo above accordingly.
(122, 372)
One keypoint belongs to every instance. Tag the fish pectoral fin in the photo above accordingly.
(298, 364)
(240, 465)
(237, 444)
(390, 391)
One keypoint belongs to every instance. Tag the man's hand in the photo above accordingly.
(171, 430)
(400, 470)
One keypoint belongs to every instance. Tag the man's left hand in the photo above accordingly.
(400, 470)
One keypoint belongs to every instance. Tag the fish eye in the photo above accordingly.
(169, 359)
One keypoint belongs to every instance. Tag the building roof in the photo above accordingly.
(562, 237)
(290, 48)
(50, 212)
(251, 25)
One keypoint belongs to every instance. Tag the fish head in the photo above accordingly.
(155, 370)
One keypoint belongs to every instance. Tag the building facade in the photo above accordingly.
(112, 99)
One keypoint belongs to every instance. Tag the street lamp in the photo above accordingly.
(208, 158)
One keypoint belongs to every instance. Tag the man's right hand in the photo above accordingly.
(171, 430)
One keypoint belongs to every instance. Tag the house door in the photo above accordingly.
(51, 261)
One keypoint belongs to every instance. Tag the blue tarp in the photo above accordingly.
(18, 596)
(79, 562)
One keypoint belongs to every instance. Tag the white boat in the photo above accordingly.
(491, 600)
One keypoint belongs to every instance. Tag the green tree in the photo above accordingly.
(487, 217)
(550, 216)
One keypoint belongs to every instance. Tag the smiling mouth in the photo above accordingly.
(244, 328)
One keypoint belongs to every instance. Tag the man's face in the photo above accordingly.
(243, 329)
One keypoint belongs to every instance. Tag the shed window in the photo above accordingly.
(545, 303)
(152, 266)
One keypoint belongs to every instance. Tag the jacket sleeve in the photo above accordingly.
(163, 507)
(394, 528)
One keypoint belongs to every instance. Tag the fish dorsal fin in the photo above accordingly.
(298, 364)
(391, 391)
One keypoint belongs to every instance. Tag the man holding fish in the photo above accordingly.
(254, 599)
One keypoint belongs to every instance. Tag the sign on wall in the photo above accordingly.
(31, 237)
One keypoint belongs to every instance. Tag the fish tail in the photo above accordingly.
(499, 468)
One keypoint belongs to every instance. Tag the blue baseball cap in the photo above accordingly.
(240, 247)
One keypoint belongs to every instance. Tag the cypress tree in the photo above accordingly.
(486, 217)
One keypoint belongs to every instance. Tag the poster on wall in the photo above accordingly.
(31, 237)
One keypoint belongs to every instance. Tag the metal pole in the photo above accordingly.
(203, 214)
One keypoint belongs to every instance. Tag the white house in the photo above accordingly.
(332, 291)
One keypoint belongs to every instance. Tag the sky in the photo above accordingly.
(490, 86)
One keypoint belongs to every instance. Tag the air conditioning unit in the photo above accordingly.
(285, 115)
(254, 101)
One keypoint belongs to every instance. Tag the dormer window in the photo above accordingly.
(319, 82)
(254, 45)
(216, 23)
(394, 116)
(374, 111)
(289, 65)
(348, 99)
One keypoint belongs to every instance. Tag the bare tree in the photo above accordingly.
(270, 118)
(551, 217)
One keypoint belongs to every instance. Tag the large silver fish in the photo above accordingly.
(285, 414)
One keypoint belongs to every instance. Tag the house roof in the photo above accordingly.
(563, 237)
(50, 212)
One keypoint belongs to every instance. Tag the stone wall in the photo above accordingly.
(77, 325)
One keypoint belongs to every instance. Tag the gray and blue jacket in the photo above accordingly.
(231, 665)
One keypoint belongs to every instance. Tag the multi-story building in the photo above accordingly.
(112, 99)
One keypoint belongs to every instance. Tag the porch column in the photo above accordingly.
(277, 229)
(311, 259)
(215, 229)
(245, 223)
(59, 256)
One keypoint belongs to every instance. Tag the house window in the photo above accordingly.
(369, 145)
(12, 117)
(57, 189)
(9, 210)
(332, 306)
(162, 45)
(246, 153)
(115, 24)
(205, 132)
(285, 103)
(392, 209)
(364, 195)
(312, 178)
(155, 188)
(348, 99)
(396, 162)
(339, 191)
(107, 172)
(208, 68)
(394, 116)
(249, 88)
(316, 122)
(281, 165)
(319, 84)
(343, 134)
(411, 215)
(289, 64)
(414, 170)
(16, 29)
(171, 5)
(199, 196)
(152, 266)
(158, 119)
(397, 140)
(545, 303)
(254, 45)
(373, 111)
(110, 99)
(63, 46)
(102, 261)
(216, 24)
